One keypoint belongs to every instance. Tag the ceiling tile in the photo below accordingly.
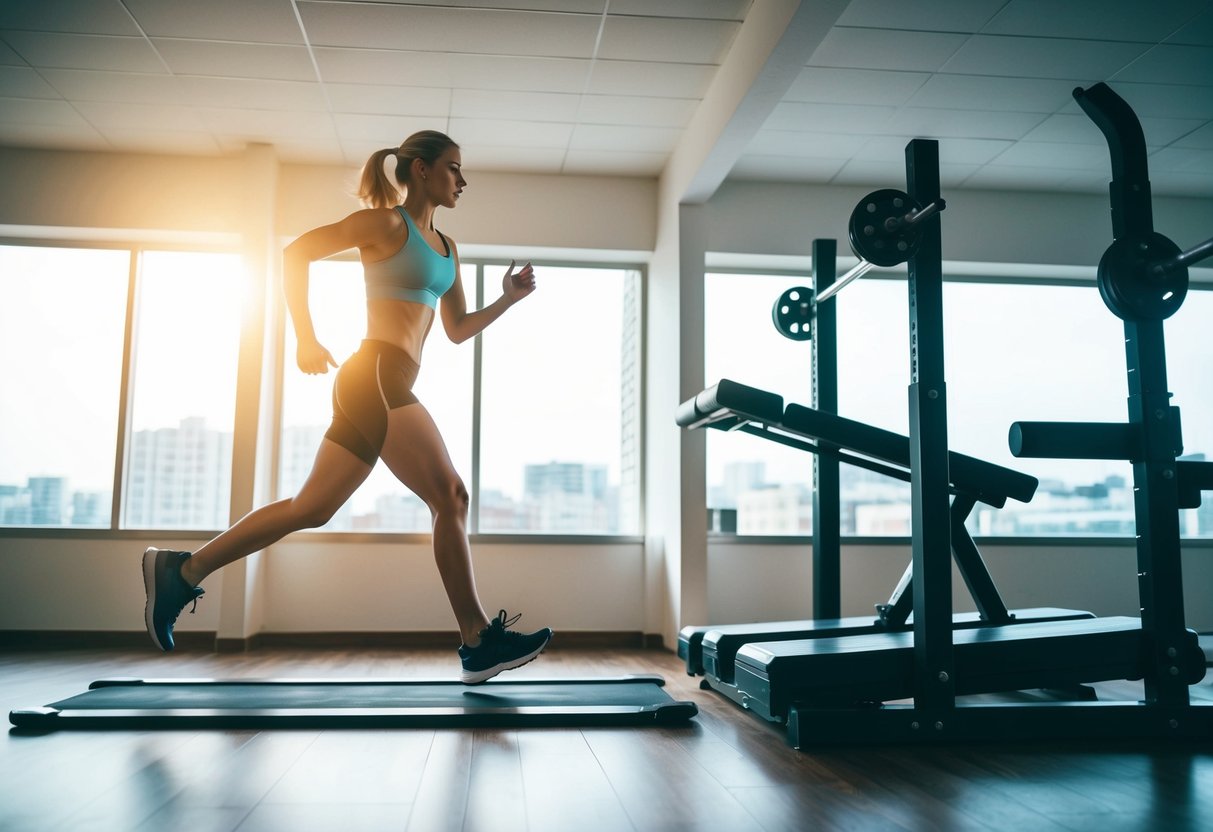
(66, 51)
(226, 60)
(387, 100)
(790, 144)
(248, 21)
(444, 29)
(1198, 31)
(965, 124)
(80, 85)
(703, 9)
(253, 93)
(497, 104)
(1183, 160)
(785, 168)
(1167, 64)
(97, 17)
(254, 124)
(1092, 19)
(951, 151)
(488, 157)
(893, 174)
(624, 138)
(8, 57)
(673, 40)
(40, 111)
(1054, 155)
(598, 162)
(1182, 184)
(524, 74)
(936, 16)
(1200, 138)
(1007, 177)
(579, 6)
(383, 66)
(628, 109)
(508, 133)
(985, 92)
(303, 152)
(110, 115)
(886, 49)
(650, 79)
(384, 131)
(828, 85)
(23, 82)
(1019, 57)
(828, 118)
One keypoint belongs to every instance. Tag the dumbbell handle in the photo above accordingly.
(914, 217)
(1183, 259)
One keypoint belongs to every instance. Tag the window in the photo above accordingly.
(186, 350)
(1014, 352)
(338, 305)
(559, 406)
(62, 316)
(764, 487)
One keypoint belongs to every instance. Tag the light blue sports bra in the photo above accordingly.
(416, 272)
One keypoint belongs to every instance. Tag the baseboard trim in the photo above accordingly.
(30, 640)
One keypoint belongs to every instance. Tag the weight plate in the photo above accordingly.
(1127, 285)
(793, 314)
(871, 240)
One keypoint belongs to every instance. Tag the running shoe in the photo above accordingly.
(500, 649)
(167, 593)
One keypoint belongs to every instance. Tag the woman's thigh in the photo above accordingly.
(415, 453)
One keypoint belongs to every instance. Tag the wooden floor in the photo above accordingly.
(726, 771)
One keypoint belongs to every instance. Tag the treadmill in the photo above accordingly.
(731, 406)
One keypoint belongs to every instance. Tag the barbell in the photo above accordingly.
(885, 229)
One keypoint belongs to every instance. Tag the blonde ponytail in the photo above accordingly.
(376, 190)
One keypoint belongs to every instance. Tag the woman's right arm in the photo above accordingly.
(355, 231)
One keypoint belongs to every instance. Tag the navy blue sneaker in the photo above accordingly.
(167, 593)
(500, 649)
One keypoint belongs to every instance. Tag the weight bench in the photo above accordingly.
(140, 704)
(731, 406)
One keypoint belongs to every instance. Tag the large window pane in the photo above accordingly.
(187, 343)
(558, 420)
(1191, 382)
(754, 485)
(62, 315)
(338, 306)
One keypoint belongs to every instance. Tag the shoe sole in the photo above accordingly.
(149, 586)
(484, 675)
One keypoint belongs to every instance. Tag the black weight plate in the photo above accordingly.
(793, 314)
(1128, 287)
(871, 241)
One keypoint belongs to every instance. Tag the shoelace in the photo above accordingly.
(506, 622)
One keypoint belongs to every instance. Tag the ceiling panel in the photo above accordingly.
(227, 60)
(105, 52)
(530, 85)
(443, 29)
(95, 17)
(1093, 19)
(1017, 57)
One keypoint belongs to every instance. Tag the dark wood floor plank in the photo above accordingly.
(496, 797)
(358, 766)
(442, 795)
(566, 788)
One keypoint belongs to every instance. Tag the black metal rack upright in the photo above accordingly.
(827, 497)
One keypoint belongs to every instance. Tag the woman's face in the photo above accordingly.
(444, 180)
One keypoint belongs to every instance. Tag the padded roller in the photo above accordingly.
(749, 403)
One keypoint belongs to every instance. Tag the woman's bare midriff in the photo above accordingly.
(401, 323)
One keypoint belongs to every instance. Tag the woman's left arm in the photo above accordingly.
(461, 325)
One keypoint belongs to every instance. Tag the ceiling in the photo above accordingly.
(608, 86)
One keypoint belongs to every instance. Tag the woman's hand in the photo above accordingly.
(313, 359)
(515, 287)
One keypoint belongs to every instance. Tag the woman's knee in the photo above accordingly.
(452, 499)
(310, 514)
